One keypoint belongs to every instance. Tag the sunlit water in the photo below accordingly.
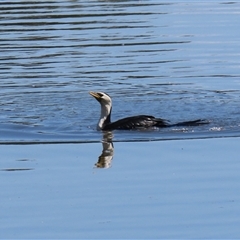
(178, 61)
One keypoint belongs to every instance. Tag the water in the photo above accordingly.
(172, 59)
(178, 61)
(153, 190)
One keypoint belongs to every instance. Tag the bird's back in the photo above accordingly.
(136, 122)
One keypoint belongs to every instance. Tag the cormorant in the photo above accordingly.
(134, 122)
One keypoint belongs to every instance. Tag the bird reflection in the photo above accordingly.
(105, 159)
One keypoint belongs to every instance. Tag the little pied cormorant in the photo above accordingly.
(131, 123)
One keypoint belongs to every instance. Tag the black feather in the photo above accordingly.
(136, 122)
(144, 122)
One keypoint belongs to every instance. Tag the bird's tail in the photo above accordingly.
(197, 122)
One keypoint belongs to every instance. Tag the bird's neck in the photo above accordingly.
(105, 117)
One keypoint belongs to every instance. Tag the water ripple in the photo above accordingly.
(174, 60)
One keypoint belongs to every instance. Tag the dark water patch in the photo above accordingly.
(147, 136)
(24, 160)
(16, 169)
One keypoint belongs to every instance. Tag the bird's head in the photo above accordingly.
(103, 98)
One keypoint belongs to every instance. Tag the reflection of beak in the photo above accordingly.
(96, 95)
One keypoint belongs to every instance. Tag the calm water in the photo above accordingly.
(154, 190)
(177, 60)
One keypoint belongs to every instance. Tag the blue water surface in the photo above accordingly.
(175, 60)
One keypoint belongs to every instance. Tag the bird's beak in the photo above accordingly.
(96, 95)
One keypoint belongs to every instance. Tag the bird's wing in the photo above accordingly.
(136, 122)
